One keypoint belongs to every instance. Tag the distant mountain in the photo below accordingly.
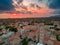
(57, 16)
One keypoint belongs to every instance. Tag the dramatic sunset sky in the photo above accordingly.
(29, 8)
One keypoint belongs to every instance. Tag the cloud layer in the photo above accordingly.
(30, 7)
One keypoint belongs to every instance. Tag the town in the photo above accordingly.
(34, 31)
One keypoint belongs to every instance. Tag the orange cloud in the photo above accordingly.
(34, 9)
(40, 11)
(35, 12)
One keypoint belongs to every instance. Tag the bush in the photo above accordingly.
(25, 41)
(58, 37)
(1, 43)
(13, 29)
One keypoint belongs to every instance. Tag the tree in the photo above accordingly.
(1, 43)
(57, 29)
(0, 29)
(58, 37)
(25, 41)
(1, 32)
(7, 27)
(13, 29)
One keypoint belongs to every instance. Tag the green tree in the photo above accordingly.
(58, 37)
(1, 43)
(1, 32)
(13, 29)
(25, 41)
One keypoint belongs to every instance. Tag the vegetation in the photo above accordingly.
(55, 25)
(13, 29)
(51, 27)
(48, 23)
(1, 34)
(25, 41)
(58, 37)
(0, 29)
(1, 43)
(7, 27)
(32, 23)
(56, 28)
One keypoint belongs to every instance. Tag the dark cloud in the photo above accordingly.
(23, 6)
(39, 0)
(55, 4)
(6, 5)
(32, 5)
(24, 12)
(35, 6)
(19, 1)
(38, 7)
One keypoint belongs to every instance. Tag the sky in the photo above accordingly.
(29, 8)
